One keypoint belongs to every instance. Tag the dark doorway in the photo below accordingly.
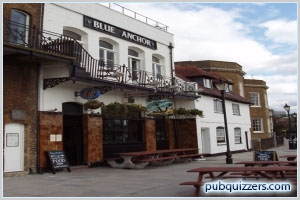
(73, 133)
(162, 141)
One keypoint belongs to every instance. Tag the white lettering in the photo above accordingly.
(124, 34)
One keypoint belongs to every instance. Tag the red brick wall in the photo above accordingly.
(20, 93)
(34, 11)
(186, 133)
(150, 134)
(93, 138)
(20, 88)
(50, 123)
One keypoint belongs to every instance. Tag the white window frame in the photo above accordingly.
(251, 99)
(155, 66)
(106, 50)
(234, 110)
(237, 135)
(260, 120)
(130, 59)
(220, 133)
(218, 106)
(207, 83)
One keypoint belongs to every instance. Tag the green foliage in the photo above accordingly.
(93, 104)
(123, 110)
(185, 112)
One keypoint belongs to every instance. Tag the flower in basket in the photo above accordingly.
(92, 104)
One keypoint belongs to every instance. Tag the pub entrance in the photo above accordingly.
(73, 132)
(162, 141)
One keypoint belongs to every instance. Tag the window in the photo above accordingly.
(254, 98)
(18, 31)
(237, 135)
(207, 83)
(107, 55)
(220, 135)
(257, 125)
(72, 34)
(77, 37)
(218, 106)
(122, 131)
(236, 109)
(156, 67)
(133, 63)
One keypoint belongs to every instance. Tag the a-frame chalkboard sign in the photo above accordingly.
(58, 160)
(265, 156)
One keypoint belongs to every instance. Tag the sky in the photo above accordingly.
(261, 37)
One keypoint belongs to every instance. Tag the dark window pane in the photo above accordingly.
(106, 45)
(133, 53)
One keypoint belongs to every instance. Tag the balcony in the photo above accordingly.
(85, 68)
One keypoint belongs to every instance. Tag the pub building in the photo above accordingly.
(90, 81)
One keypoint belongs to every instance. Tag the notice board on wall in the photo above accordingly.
(265, 156)
(58, 160)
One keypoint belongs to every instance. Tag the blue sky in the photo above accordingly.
(262, 37)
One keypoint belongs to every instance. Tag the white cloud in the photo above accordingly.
(208, 33)
(281, 31)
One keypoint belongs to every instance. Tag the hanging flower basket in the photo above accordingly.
(93, 104)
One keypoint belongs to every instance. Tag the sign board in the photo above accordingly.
(12, 139)
(18, 115)
(58, 160)
(104, 27)
(90, 93)
(265, 156)
(162, 106)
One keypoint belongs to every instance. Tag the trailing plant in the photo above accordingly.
(185, 112)
(93, 104)
(123, 110)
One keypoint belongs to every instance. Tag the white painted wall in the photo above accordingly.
(57, 16)
(53, 98)
(211, 120)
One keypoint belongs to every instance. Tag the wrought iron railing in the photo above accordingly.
(31, 37)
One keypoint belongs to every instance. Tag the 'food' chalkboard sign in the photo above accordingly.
(265, 156)
(58, 160)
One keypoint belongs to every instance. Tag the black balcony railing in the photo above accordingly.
(34, 38)
(94, 69)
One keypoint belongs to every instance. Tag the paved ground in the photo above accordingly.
(153, 181)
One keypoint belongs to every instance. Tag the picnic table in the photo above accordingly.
(264, 172)
(140, 159)
(289, 157)
(266, 163)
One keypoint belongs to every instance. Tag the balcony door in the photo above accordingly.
(133, 64)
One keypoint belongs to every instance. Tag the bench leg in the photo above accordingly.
(127, 163)
(197, 191)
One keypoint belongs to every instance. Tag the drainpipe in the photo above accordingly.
(38, 99)
(173, 83)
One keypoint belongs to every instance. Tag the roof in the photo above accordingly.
(193, 71)
(188, 72)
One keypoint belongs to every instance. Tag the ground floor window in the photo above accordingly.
(122, 131)
(220, 135)
(237, 135)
